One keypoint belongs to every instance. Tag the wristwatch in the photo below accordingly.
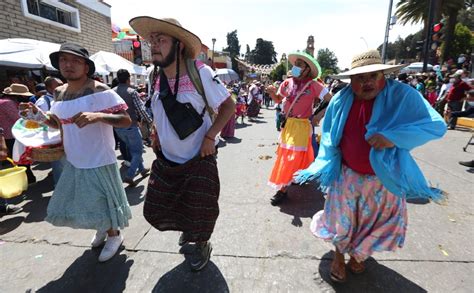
(2, 131)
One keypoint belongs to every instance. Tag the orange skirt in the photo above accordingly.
(291, 155)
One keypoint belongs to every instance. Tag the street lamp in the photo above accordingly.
(213, 42)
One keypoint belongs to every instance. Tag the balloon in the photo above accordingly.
(121, 35)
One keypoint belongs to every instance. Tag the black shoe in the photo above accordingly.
(278, 197)
(200, 256)
(10, 210)
(182, 239)
(469, 164)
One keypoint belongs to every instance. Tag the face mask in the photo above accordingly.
(471, 103)
(452, 80)
(296, 71)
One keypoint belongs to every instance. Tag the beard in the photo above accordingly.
(168, 59)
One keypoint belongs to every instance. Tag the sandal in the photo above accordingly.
(355, 267)
(278, 197)
(338, 276)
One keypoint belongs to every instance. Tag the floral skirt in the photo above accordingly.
(89, 199)
(360, 216)
(295, 152)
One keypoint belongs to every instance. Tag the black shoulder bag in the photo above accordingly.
(182, 116)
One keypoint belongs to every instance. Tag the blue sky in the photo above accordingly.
(340, 25)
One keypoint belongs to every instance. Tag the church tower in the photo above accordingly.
(310, 46)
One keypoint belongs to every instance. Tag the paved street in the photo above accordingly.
(257, 247)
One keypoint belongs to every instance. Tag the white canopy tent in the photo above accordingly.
(111, 62)
(26, 53)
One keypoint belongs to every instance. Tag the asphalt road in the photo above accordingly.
(257, 247)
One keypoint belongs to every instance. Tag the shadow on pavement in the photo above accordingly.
(257, 121)
(10, 224)
(86, 274)
(232, 140)
(135, 195)
(181, 279)
(241, 125)
(376, 278)
(303, 202)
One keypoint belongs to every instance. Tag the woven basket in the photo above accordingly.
(49, 153)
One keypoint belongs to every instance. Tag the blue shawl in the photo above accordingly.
(400, 114)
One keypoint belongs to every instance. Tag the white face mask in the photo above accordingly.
(471, 103)
(452, 80)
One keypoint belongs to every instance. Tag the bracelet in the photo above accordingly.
(209, 137)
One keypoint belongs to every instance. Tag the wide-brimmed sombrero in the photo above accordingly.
(145, 25)
(366, 62)
(313, 64)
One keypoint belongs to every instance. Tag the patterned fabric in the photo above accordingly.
(361, 216)
(89, 199)
(295, 152)
(253, 109)
(8, 116)
(229, 128)
(140, 108)
(183, 197)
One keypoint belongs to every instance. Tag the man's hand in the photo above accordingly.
(208, 147)
(379, 142)
(3, 149)
(155, 142)
(82, 119)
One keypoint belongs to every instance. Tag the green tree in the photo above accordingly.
(264, 53)
(233, 47)
(415, 11)
(463, 42)
(466, 17)
(328, 62)
(278, 72)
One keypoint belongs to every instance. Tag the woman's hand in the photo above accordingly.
(380, 142)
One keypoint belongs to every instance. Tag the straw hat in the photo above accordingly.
(145, 25)
(365, 62)
(313, 64)
(16, 89)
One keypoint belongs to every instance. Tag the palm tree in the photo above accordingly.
(415, 11)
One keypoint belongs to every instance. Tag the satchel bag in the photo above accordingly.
(182, 116)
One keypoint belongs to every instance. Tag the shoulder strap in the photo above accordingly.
(195, 78)
(298, 97)
(48, 101)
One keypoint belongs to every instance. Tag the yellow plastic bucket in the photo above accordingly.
(13, 181)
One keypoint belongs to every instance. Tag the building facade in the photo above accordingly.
(86, 22)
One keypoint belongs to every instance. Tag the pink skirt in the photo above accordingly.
(361, 216)
(229, 128)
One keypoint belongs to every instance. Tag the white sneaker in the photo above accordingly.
(111, 247)
(99, 239)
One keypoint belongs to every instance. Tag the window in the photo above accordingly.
(52, 12)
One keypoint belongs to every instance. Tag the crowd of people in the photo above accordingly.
(361, 161)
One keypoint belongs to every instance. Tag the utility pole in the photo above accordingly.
(387, 29)
(426, 48)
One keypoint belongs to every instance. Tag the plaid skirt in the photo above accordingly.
(183, 197)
